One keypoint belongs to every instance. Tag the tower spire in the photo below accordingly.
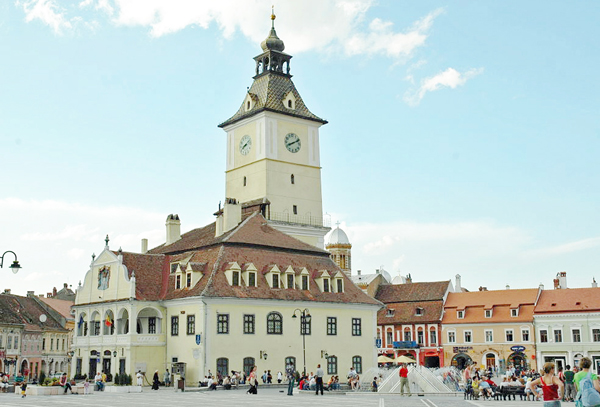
(273, 17)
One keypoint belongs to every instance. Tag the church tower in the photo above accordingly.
(341, 250)
(273, 158)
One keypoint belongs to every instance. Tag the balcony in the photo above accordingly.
(308, 220)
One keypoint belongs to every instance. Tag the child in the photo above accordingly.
(374, 385)
(23, 389)
(86, 387)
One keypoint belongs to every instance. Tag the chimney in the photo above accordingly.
(408, 279)
(173, 229)
(48, 295)
(541, 286)
(144, 246)
(228, 217)
(358, 272)
(457, 287)
(54, 292)
(507, 287)
(7, 291)
(30, 293)
(594, 283)
(65, 285)
(41, 295)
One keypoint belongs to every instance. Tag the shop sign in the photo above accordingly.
(517, 348)
(461, 349)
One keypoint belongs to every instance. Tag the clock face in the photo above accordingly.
(292, 142)
(245, 144)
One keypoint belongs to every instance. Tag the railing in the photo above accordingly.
(300, 219)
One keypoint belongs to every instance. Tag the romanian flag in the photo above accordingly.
(108, 322)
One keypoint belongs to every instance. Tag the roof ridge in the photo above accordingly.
(238, 227)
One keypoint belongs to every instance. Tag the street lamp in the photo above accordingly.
(15, 266)
(304, 321)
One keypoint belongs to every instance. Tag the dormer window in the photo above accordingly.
(275, 280)
(460, 314)
(188, 281)
(289, 101)
(488, 313)
(174, 267)
(305, 282)
(251, 279)
(325, 285)
(389, 312)
(419, 311)
(290, 281)
(514, 312)
(235, 280)
(340, 285)
(234, 274)
(248, 105)
(178, 282)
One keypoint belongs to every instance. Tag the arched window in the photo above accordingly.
(274, 323)
(248, 365)
(82, 325)
(292, 360)
(292, 179)
(332, 365)
(357, 364)
(290, 103)
(223, 366)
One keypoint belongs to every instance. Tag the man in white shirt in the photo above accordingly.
(99, 382)
(319, 378)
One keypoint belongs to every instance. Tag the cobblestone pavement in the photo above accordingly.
(238, 398)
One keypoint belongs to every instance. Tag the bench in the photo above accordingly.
(514, 391)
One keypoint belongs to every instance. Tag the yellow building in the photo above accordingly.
(254, 288)
(490, 328)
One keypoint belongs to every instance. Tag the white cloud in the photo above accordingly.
(567, 247)
(48, 12)
(338, 26)
(450, 78)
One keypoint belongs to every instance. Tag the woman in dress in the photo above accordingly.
(155, 381)
(552, 386)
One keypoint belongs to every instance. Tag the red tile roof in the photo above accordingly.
(426, 291)
(569, 300)
(17, 310)
(405, 312)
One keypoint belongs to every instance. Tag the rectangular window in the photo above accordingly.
(305, 282)
(290, 282)
(305, 327)
(236, 278)
(152, 325)
(249, 326)
(407, 336)
(557, 335)
(389, 337)
(275, 280)
(525, 335)
(222, 323)
(576, 335)
(357, 364)
(468, 336)
(78, 366)
(332, 365)
(340, 285)
(432, 337)
(189, 280)
(419, 311)
(514, 312)
(51, 344)
(331, 326)
(451, 337)
(252, 279)
(509, 336)
(489, 336)
(43, 343)
(543, 335)
(356, 327)
(295, 210)
(420, 337)
(326, 285)
(488, 313)
(17, 343)
(596, 335)
(191, 324)
(460, 314)
(63, 344)
(174, 326)
(178, 282)
(96, 328)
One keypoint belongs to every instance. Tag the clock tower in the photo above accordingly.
(273, 155)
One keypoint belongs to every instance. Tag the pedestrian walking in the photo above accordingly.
(167, 378)
(404, 380)
(319, 377)
(570, 391)
(279, 377)
(155, 381)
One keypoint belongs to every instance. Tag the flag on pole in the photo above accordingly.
(80, 321)
(108, 322)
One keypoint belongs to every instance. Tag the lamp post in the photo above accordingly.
(304, 320)
(15, 266)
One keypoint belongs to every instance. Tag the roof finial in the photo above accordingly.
(107, 240)
(273, 16)
(337, 224)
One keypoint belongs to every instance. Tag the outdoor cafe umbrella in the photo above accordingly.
(384, 359)
(404, 359)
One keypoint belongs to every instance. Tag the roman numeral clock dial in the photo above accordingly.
(292, 142)
(245, 145)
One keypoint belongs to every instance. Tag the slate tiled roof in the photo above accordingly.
(428, 291)
(499, 301)
(253, 241)
(569, 300)
(268, 91)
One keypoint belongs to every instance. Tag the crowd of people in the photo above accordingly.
(549, 385)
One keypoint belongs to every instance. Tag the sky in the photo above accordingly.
(463, 136)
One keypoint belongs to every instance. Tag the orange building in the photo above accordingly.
(490, 328)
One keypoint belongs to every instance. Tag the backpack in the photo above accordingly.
(587, 393)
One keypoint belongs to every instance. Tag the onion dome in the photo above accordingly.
(272, 42)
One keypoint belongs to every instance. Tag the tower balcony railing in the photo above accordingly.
(300, 219)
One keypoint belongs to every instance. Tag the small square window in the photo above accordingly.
(419, 311)
(514, 312)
